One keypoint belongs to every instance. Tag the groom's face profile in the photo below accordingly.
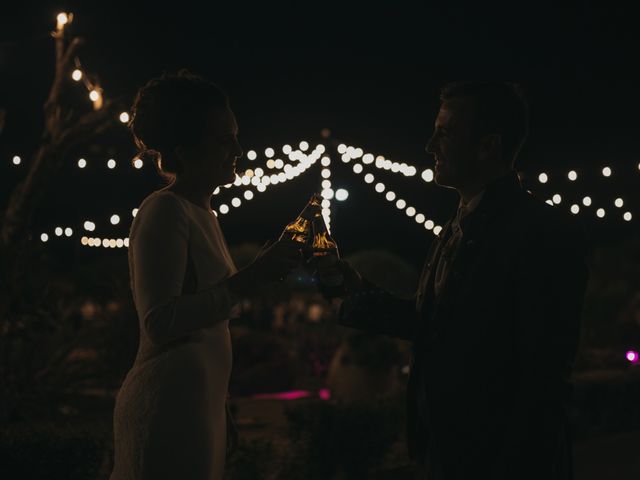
(454, 144)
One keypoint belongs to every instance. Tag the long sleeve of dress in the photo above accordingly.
(160, 254)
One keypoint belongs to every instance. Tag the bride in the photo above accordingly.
(170, 419)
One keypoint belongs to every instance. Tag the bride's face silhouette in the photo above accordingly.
(213, 159)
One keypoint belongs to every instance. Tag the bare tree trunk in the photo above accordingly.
(63, 129)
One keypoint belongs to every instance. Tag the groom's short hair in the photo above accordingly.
(498, 107)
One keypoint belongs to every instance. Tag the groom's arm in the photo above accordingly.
(375, 310)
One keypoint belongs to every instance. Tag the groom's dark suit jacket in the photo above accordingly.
(489, 384)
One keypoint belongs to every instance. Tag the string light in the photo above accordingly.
(138, 163)
(304, 146)
(380, 187)
(111, 164)
(357, 168)
(600, 213)
(68, 232)
(557, 199)
(410, 211)
(251, 155)
(543, 178)
(619, 202)
(248, 195)
(390, 196)
(82, 163)
(437, 229)
(44, 237)
(269, 152)
(89, 226)
(342, 194)
(369, 178)
(134, 212)
(58, 232)
(429, 225)
(16, 160)
(606, 171)
(400, 204)
(76, 75)
(586, 201)
(627, 216)
(573, 176)
(115, 219)
(427, 175)
(575, 209)
(124, 117)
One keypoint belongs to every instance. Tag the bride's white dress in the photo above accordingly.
(169, 418)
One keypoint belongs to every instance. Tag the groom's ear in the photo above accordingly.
(490, 146)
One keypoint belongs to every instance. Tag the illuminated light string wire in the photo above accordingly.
(390, 196)
(261, 179)
(349, 153)
(79, 74)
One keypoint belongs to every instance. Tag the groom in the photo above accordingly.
(495, 320)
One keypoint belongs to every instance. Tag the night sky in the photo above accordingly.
(371, 75)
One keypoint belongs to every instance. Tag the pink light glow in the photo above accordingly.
(632, 356)
(323, 394)
(292, 395)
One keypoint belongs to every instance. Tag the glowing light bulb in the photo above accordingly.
(619, 202)
(252, 155)
(269, 152)
(326, 173)
(429, 225)
(124, 117)
(17, 160)
(326, 161)
(420, 218)
(138, 163)
(380, 187)
(627, 216)
(390, 196)
(84, 241)
(543, 178)
(557, 199)
(111, 164)
(401, 204)
(600, 213)
(76, 75)
(223, 209)
(94, 95)
(327, 193)
(437, 229)
(586, 201)
(427, 175)
(68, 232)
(632, 356)
(410, 211)
(304, 146)
(89, 226)
(369, 178)
(58, 232)
(606, 171)
(44, 237)
(115, 219)
(279, 164)
(248, 195)
(342, 148)
(134, 212)
(575, 209)
(287, 149)
(82, 163)
(62, 20)
(357, 168)
(236, 202)
(342, 194)
(367, 159)
(573, 176)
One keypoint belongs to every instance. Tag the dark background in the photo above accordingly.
(370, 74)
